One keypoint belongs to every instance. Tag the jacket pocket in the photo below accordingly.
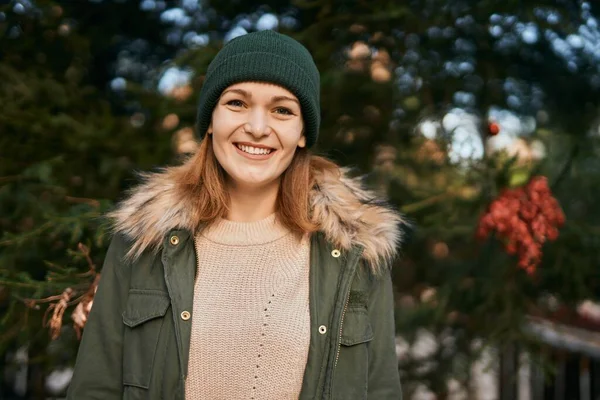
(356, 328)
(144, 319)
(352, 369)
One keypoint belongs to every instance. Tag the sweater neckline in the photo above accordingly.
(235, 233)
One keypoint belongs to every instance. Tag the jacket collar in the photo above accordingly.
(345, 212)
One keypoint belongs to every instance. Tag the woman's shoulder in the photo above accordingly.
(153, 208)
(351, 215)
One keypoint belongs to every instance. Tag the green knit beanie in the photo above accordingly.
(264, 56)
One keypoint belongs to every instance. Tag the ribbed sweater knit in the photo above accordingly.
(250, 318)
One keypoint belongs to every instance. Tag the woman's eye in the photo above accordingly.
(283, 111)
(235, 103)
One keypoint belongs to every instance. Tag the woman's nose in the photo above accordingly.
(257, 124)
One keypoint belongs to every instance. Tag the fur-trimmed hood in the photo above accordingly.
(344, 211)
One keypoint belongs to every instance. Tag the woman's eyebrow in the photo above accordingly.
(238, 91)
(275, 99)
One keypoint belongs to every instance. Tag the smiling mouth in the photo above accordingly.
(254, 150)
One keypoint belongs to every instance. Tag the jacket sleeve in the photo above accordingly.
(384, 378)
(98, 369)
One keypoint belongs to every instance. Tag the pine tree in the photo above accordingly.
(68, 145)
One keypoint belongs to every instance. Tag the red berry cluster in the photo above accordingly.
(524, 218)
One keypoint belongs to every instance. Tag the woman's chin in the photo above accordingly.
(252, 182)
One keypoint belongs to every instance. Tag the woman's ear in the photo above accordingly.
(209, 129)
(302, 141)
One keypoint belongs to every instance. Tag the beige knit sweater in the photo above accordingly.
(250, 321)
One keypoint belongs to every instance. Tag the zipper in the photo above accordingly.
(339, 345)
(197, 258)
(350, 269)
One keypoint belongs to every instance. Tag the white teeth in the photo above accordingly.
(253, 150)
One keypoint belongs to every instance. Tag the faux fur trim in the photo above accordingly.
(344, 211)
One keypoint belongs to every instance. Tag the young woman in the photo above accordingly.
(255, 270)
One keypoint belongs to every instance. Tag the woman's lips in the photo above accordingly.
(254, 156)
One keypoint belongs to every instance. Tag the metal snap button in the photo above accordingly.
(322, 329)
(335, 253)
(185, 315)
(174, 240)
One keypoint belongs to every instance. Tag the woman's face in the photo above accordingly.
(256, 128)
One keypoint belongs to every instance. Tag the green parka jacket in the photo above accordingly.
(137, 338)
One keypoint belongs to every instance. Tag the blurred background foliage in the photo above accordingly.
(440, 104)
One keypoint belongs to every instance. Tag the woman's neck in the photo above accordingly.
(252, 204)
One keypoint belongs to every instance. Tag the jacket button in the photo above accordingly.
(174, 240)
(185, 315)
(335, 253)
(322, 329)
